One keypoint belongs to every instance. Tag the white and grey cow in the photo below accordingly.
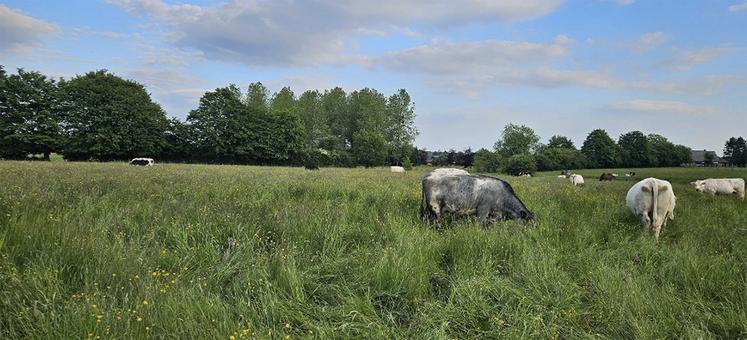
(460, 193)
(396, 169)
(722, 186)
(652, 201)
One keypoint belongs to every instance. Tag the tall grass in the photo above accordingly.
(191, 251)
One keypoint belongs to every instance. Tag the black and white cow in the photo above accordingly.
(458, 192)
(142, 161)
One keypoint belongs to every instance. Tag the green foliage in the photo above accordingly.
(369, 148)
(682, 155)
(284, 100)
(520, 164)
(517, 139)
(29, 118)
(487, 161)
(735, 151)
(257, 97)
(109, 118)
(600, 150)
(560, 142)
(227, 130)
(559, 158)
(635, 150)
(407, 164)
(341, 254)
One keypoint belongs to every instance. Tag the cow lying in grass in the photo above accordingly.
(721, 186)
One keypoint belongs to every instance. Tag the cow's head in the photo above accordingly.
(698, 185)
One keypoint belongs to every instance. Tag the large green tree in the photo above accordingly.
(399, 127)
(369, 148)
(339, 119)
(109, 118)
(29, 118)
(257, 97)
(663, 151)
(635, 150)
(561, 142)
(600, 150)
(312, 116)
(735, 151)
(517, 139)
(283, 100)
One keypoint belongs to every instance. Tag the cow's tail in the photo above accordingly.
(655, 193)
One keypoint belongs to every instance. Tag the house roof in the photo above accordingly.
(699, 156)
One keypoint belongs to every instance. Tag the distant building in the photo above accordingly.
(699, 158)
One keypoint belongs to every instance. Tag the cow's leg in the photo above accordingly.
(483, 212)
(657, 230)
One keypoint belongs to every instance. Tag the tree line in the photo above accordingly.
(100, 116)
(519, 151)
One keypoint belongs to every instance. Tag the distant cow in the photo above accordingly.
(722, 186)
(311, 166)
(566, 173)
(525, 174)
(576, 179)
(396, 169)
(652, 201)
(630, 174)
(607, 177)
(142, 161)
(561, 176)
(457, 192)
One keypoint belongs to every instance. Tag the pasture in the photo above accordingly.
(107, 250)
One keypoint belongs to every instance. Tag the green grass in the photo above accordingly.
(341, 253)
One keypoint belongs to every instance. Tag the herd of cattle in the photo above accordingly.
(458, 192)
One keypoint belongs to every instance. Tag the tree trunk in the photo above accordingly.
(46, 155)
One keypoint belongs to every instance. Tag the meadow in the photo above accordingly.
(105, 250)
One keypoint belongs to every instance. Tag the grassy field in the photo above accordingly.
(93, 250)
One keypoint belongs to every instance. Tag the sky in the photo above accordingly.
(672, 67)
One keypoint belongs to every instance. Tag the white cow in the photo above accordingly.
(561, 176)
(576, 179)
(652, 200)
(725, 186)
(396, 169)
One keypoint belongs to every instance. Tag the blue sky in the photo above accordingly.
(677, 68)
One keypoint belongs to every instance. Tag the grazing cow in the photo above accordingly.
(724, 186)
(456, 191)
(525, 174)
(396, 169)
(630, 174)
(562, 176)
(576, 179)
(142, 161)
(607, 177)
(566, 173)
(311, 166)
(652, 200)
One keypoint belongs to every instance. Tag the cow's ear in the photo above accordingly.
(646, 188)
(663, 187)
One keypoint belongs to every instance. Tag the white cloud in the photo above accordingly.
(19, 32)
(295, 33)
(649, 40)
(686, 60)
(477, 57)
(663, 106)
(738, 7)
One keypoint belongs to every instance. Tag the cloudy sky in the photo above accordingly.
(677, 68)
